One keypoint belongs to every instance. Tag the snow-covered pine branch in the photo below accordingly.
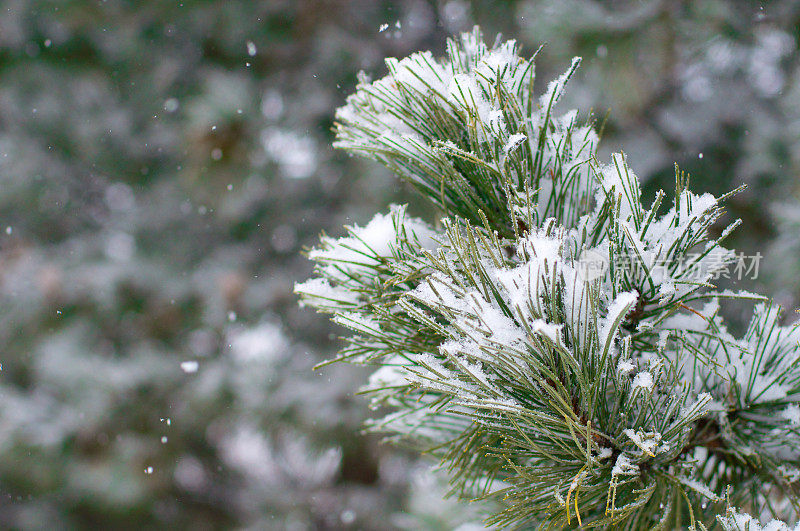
(555, 342)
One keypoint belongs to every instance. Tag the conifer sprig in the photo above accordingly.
(557, 344)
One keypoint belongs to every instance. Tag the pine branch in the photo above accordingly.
(557, 344)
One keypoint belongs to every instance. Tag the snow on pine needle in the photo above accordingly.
(454, 129)
(615, 399)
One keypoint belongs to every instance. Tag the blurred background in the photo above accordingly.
(162, 164)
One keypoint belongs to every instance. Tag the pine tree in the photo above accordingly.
(554, 341)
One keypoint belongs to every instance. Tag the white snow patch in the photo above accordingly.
(643, 380)
(549, 330)
(514, 141)
(792, 414)
(189, 367)
(320, 288)
(648, 442)
(624, 467)
(625, 367)
(736, 521)
(262, 343)
(364, 248)
(616, 312)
